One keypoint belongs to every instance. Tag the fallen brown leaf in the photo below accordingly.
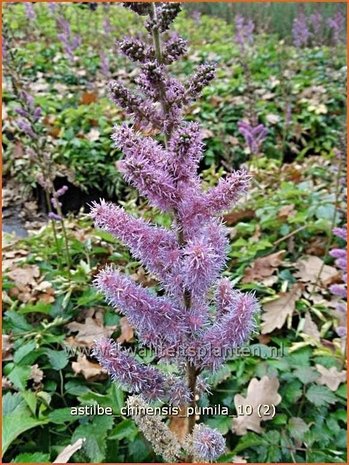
(331, 377)
(127, 333)
(263, 267)
(90, 330)
(263, 392)
(232, 218)
(7, 347)
(276, 312)
(309, 268)
(286, 211)
(310, 328)
(90, 371)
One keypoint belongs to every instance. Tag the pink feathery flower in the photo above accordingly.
(244, 32)
(229, 332)
(156, 247)
(337, 24)
(254, 136)
(144, 167)
(208, 444)
(204, 258)
(155, 318)
(137, 377)
(300, 31)
(185, 148)
(227, 192)
(225, 296)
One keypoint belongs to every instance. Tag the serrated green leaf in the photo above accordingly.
(61, 416)
(297, 428)
(95, 433)
(58, 358)
(17, 423)
(249, 440)
(320, 395)
(124, 429)
(19, 376)
(306, 374)
(22, 351)
(35, 457)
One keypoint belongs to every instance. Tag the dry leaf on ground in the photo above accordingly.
(309, 268)
(7, 347)
(68, 451)
(90, 371)
(264, 393)
(263, 267)
(127, 332)
(276, 312)
(310, 328)
(89, 331)
(286, 211)
(331, 377)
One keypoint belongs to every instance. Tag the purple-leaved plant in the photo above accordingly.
(187, 258)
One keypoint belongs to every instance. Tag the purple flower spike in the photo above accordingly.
(254, 136)
(300, 31)
(138, 378)
(244, 32)
(208, 443)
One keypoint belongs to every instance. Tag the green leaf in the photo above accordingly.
(124, 429)
(31, 400)
(58, 358)
(306, 374)
(23, 351)
(325, 212)
(249, 440)
(297, 428)
(292, 391)
(118, 398)
(76, 387)
(61, 416)
(39, 307)
(96, 435)
(222, 423)
(139, 450)
(19, 376)
(18, 322)
(320, 395)
(17, 423)
(35, 457)
(10, 402)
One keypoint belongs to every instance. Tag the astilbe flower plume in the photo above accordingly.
(243, 32)
(337, 26)
(254, 135)
(188, 257)
(341, 260)
(207, 443)
(300, 31)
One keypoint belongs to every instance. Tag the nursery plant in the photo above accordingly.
(194, 319)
